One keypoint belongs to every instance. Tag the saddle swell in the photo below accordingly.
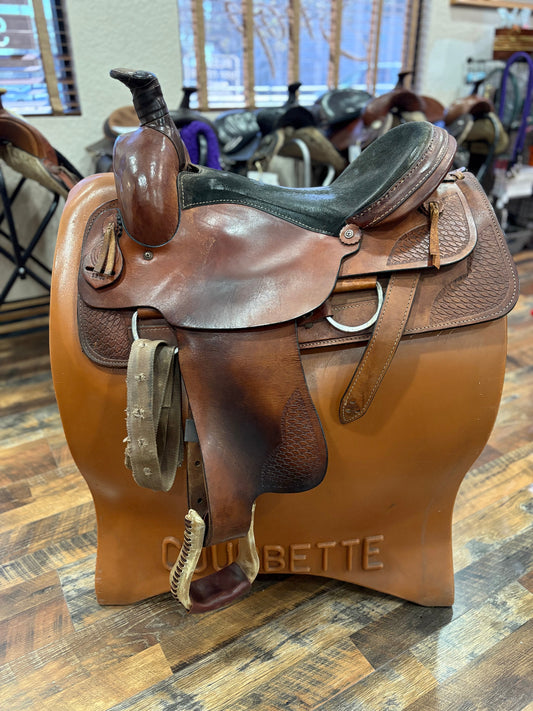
(148, 205)
(234, 273)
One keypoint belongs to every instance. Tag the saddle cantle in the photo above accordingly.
(243, 279)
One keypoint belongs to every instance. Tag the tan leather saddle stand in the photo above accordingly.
(381, 518)
(257, 301)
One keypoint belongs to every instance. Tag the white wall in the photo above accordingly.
(136, 34)
(451, 34)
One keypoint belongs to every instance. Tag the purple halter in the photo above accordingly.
(521, 137)
(189, 135)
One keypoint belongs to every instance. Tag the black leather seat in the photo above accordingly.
(321, 209)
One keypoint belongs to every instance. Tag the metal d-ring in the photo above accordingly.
(362, 326)
(135, 329)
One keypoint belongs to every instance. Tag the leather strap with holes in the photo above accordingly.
(154, 447)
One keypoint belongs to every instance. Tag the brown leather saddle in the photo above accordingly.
(28, 152)
(473, 122)
(229, 280)
(400, 105)
(400, 100)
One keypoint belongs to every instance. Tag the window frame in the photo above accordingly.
(51, 52)
(294, 20)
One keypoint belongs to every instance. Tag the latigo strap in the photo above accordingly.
(381, 347)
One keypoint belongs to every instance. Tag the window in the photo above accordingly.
(245, 52)
(35, 59)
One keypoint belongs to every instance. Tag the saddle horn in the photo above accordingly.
(400, 84)
(188, 91)
(146, 163)
(148, 98)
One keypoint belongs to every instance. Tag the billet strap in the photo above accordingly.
(381, 348)
(154, 447)
(218, 589)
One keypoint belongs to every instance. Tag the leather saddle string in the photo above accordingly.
(381, 348)
(154, 447)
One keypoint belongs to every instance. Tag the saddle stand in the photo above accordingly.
(331, 358)
(20, 255)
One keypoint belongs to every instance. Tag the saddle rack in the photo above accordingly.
(28, 153)
(22, 257)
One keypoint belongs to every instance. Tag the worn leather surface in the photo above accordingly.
(257, 427)
(418, 148)
(381, 348)
(22, 135)
(400, 99)
(145, 202)
(19, 132)
(232, 585)
(439, 302)
(236, 266)
(230, 267)
(475, 105)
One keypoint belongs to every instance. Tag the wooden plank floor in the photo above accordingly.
(296, 642)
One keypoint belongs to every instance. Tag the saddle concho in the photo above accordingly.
(333, 356)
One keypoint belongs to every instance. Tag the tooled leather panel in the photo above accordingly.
(240, 385)
(405, 244)
(104, 336)
(295, 459)
(482, 287)
(454, 237)
(490, 288)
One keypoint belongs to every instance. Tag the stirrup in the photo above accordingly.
(220, 588)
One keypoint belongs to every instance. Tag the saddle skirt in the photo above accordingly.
(240, 278)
